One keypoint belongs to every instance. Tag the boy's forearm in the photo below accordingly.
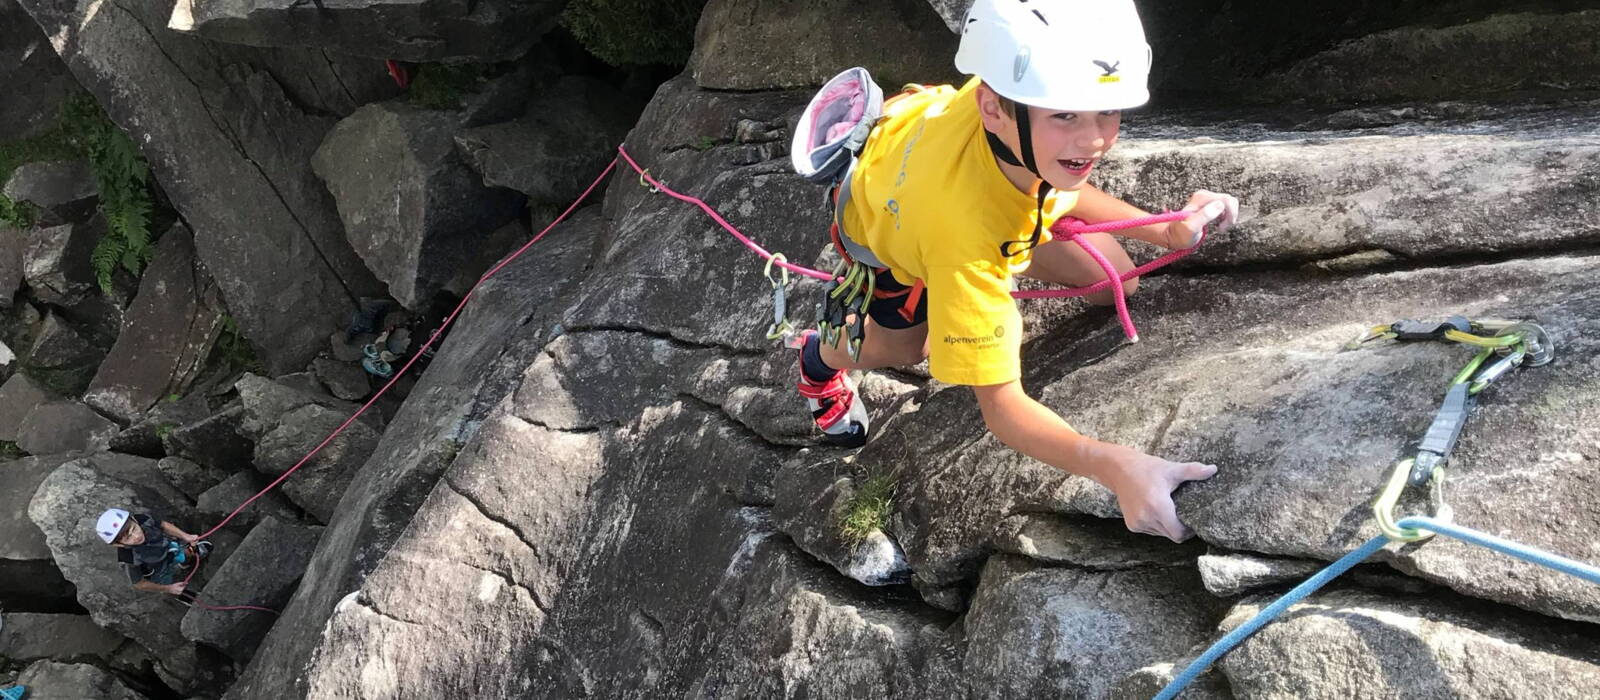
(173, 530)
(1027, 426)
(149, 586)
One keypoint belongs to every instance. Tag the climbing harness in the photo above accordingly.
(1516, 343)
(1502, 345)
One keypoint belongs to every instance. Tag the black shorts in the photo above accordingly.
(886, 311)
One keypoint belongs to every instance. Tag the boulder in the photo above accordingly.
(216, 441)
(65, 508)
(29, 637)
(1451, 190)
(219, 501)
(774, 602)
(63, 358)
(411, 207)
(263, 571)
(144, 436)
(29, 580)
(1227, 576)
(1037, 631)
(57, 262)
(55, 427)
(745, 45)
(318, 484)
(406, 31)
(209, 113)
(18, 396)
(265, 401)
(192, 478)
(345, 380)
(167, 335)
(51, 680)
(60, 191)
(1437, 646)
(567, 134)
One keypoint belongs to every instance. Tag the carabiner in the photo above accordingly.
(1383, 509)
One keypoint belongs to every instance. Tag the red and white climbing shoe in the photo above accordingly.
(836, 406)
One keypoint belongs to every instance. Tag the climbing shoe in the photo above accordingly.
(835, 405)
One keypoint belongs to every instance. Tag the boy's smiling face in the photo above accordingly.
(1066, 145)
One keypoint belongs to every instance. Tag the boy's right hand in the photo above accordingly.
(1205, 207)
(1144, 485)
(176, 588)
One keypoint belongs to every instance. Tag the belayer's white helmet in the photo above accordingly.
(110, 524)
(1067, 55)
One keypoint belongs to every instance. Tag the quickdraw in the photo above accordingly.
(1502, 345)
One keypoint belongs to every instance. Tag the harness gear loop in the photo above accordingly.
(781, 328)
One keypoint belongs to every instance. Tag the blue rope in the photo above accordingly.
(1521, 551)
(1334, 570)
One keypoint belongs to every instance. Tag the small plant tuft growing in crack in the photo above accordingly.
(867, 510)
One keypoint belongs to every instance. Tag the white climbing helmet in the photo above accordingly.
(1069, 55)
(110, 524)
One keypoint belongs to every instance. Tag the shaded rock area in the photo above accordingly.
(407, 31)
(62, 358)
(29, 579)
(144, 437)
(263, 225)
(565, 136)
(64, 426)
(59, 191)
(56, 264)
(18, 396)
(216, 442)
(50, 680)
(29, 637)
(261, 572)
(792, 44)
(410, 205)
(167, 335)
(220, 500)
(28, 66)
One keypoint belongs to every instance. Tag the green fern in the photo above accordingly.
(124, 180)
(107, 253)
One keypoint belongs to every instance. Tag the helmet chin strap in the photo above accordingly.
(1003, 152)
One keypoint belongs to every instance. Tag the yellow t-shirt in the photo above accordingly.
(929, 201)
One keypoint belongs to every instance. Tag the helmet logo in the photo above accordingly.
(1020, 66)
(1110, 69)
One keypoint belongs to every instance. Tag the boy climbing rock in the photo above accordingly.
(953, 193)
(154, 553)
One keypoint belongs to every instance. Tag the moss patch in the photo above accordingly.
(10, 451)
(438, 86)
(635, 32)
